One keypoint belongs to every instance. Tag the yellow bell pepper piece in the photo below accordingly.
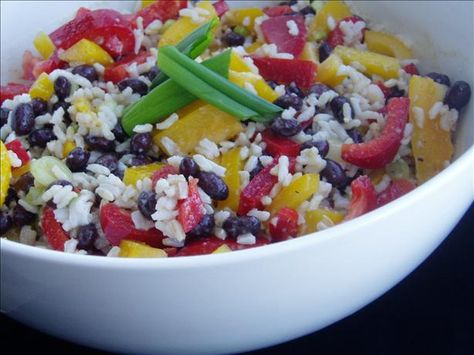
(233, 164)
(135, 173)
(82, 105)
(42, 88)
(67, 147)
(146, 3)
(22, 170)
(86, 52)
(327, 71)
(376, 176)
(336, 9)
(222, 249)
(5, 172)
(431, 145)
(239, 17)
(374, 63)
(387, 44)
(296, 193)
(310, 53)
(130, 249)
(44, 45)
(184, 26)
(312, 218)
(261, 87)
(206, 121)
(238, 64)
(253, 47)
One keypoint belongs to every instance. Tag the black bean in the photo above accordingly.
(324, 51)
(307, 10)
(22, 217)
(65, 106)
(5, 223)
(287, 101)
(188, 167)
(60, 182)
(235, 226)
(233, 39)
(147, 203)
(77, 159)
(11, 196)
(294, 89)
(24, 183)
(285, 127)
(355, 135)
(337, 107)
(137, 86)
(334, 173)
(318, 89)
(119, 133)
(140, 143)
(322, 146)
(139, 160)
(62, 88)
(4, 112)
(204, 228)
(213, 185)
(86, 71)
(100, 143)
(40, 137)
(439, 78)
(86, 235)
(108, 160)
(152, 73)
(40, 107)
(395, 92)
(23, 119)
(458, 95)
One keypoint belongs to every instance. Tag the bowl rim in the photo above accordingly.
(331, 234)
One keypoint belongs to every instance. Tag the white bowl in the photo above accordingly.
(253, 298)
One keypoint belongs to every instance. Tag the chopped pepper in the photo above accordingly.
(6, 173)
(86, 52)
(232, 162)
(42, 88)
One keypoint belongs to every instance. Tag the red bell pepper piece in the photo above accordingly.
(411, 69)
(118, 71)
(163, 173)
(162, 10)
(275, 30)
(221, 7)
(108, 28)
(364, 197)
(380, 151)
(278, 145)
(52, 229)
(207, 245)
(396, 189)
(336, 36)
(286, 225)
(117, 225)
(275, 11)
(191, 209)
(9, 91)
(284, 71)
(17, 147)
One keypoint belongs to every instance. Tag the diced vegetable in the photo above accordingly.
(285, 71)
(162, 10)
(17, 172)
(431, 145)
(258, 83)
(298, 191)
(245, 17)
(396, 189)
(48, 169)
(387, 44)
(167, 98)
(135, 173)
(364, 197)
(191, 209)
(146, 3)
(53, 230)
(328, 71)
(286, 225)
(281, 10)
(314, 217)
(310, 53)
(17, 147)
(42, 88)
(336, 36)
(67, 147)
(118, 71)
(380, 151)
(108, 28)
(336, 9)
(399, 169)
(374, 63)
(9, 91)
(130, 249)
(209, 245)
(221, 7)
(163, 173)
(278, 145)
(222, 249)
(205, 122)
(44, 45)
(213, 88)
(5, 173)
(86, 52)
(232, 162)
(275, 30)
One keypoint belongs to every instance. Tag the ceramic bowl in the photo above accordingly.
(254, 298)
